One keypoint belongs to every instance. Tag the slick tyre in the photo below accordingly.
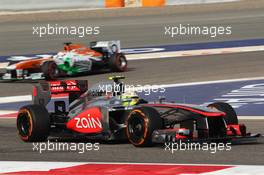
(231, 116)
(118, 62)
(141, 123)
(50, 70)
(33, 123)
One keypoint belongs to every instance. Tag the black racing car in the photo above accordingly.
(97, 114)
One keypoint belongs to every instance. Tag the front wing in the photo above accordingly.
(163, 136)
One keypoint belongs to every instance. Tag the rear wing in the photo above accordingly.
(106, 46)
(45, 90)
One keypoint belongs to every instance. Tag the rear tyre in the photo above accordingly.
(231, 116)
(33, 123)
(141, 123)
(118, 62)
(50, 70)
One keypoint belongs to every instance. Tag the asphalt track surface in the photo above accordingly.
(12, 148)
(134, 27)
(171, 70)
(142, 27)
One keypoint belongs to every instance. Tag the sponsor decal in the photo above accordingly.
(88, 121)
(57, 86)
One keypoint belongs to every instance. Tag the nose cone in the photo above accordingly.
(30, 64)
(11, 67)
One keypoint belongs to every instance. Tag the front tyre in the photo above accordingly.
(141, 123)
(50, 70)
(231, 116)
(118, 62)
(33, 123)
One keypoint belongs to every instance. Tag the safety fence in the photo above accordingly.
(17, 5)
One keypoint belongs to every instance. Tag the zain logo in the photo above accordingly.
(88, 122)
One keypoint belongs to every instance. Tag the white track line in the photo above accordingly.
(7, 112)
(16, 166)
(187, 53)
(212, 82)
(49, 11)
(199, 52)
(124, 163)
(250, 117)
(13, 99)
(3, 65)
(23, 98)
(239, 170)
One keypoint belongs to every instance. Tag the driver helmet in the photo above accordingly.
(129, 98)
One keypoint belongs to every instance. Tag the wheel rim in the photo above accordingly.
(136, 128)
(23, 124)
